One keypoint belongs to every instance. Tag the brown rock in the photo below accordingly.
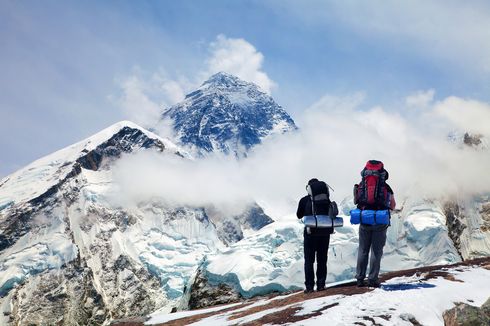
(466, 315)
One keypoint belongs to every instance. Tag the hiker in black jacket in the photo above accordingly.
(316, 242)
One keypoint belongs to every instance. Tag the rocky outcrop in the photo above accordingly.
(61, 297)
(467, 315)
(203, 294)
(472, 140)
(455, 224)
(485, 214)
(124, 141)
(60, 259)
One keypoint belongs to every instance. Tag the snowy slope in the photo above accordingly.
(228, 115)
(69, 252)
(36, 178)
(412, 297)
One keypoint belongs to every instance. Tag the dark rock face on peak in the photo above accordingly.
(472, 140)
(475, 141)
(124, 141)
(228, 115)
(16, 222)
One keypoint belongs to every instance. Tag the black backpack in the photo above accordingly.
(320, 199)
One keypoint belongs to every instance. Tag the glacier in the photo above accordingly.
(272, 258)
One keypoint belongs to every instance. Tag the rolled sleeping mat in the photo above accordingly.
(370, 217)
(322, 221)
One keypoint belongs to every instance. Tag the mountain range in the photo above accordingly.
(71, 254)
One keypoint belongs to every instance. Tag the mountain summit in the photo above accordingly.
(228, 115)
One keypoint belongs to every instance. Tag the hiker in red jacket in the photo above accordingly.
(372, 194)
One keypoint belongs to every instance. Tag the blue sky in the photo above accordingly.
(69, 69)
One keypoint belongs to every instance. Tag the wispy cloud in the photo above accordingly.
(453, 32)
(240, 58)
(144, 96)
(465, 115)
(420, 99)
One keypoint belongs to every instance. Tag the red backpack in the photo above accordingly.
(372, 192)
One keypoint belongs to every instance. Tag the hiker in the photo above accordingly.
(374, 199)
(316, 240)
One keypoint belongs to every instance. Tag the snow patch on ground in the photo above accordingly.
(393, 304)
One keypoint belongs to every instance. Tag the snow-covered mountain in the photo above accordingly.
(67, 255)
(227, 114)
(71, 254)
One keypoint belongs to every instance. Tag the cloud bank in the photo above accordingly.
(336, 138)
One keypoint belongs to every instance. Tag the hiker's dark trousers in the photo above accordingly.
(371, 238)
(316, 245)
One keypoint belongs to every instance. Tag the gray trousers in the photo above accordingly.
(371, 238)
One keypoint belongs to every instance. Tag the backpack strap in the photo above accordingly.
(313, 210)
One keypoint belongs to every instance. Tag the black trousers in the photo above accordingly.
(316, 245)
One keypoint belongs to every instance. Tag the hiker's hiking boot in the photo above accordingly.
(320, 288)
(374, 283)
(308, 290)
(360, 283)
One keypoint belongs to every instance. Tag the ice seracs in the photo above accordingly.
(69, 253)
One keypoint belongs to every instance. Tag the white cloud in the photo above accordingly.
(420, 99)
(172, 90)
(336, 139)
(238, 57)
(144, 97)
(465, 115)
(338, 103)
(137, 106)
